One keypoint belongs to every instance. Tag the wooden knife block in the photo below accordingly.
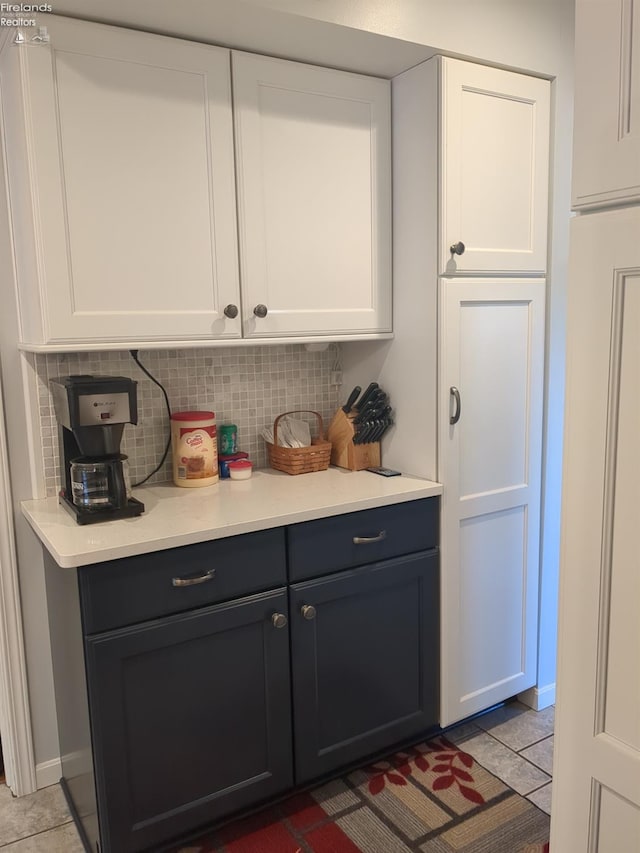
(346, 454)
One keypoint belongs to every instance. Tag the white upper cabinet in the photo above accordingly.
(494, 154)
(122, 190)
(120, 154)
(606, 154)
(313, 161)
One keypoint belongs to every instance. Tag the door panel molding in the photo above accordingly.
(597, 740)
(462, 346)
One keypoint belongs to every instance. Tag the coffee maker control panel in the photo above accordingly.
(101, 409)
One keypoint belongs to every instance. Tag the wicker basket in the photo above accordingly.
(300, 460)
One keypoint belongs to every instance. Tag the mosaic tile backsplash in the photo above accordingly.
(246, 386)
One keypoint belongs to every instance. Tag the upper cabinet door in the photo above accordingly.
(494, 170)
(129, 141)
(313, 166)
(606, 155)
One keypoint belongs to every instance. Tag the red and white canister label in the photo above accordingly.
(197, 453)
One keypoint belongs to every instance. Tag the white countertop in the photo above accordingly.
(176, 516)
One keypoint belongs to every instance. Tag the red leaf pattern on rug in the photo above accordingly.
(385, 771)
(443, 782)
(472, 794)
(376, 784)
(422, 763)
(462, 774)
(466, 759)
(453, 774)
(444, 752)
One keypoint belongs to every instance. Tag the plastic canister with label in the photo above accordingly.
(195, 448)
(228, 439)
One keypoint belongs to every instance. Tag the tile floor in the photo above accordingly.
(512, 742)
(516, 745)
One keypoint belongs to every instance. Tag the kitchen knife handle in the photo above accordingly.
(353, 396)
(455, 417)
(369, 392)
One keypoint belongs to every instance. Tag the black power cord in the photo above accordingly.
(134, 355)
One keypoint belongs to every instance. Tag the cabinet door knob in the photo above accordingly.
(457, 248)
(308, 611)
(231, 311)
(260, 310)
(279, 620)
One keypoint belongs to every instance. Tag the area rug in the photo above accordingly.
(433, 798)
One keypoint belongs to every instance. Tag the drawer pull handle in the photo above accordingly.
(308, 611)
(194, 581)
(279, 620)
(367, 540)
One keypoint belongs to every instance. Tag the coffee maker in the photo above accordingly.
(92, 412)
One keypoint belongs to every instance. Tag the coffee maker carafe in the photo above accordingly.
(92, 412)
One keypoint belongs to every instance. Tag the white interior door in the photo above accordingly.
(596, 778)
(494, 158)
(492, 335)
(313, 162)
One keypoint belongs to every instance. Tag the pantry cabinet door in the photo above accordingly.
(490, 446)
(494, 153)
(606, 152)
(314, 198)
(130, 146)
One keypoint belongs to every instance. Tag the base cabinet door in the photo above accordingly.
(190, 719)
(365, 660)
(491, 387)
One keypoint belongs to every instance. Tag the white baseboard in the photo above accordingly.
(48, 773)
(539, 697)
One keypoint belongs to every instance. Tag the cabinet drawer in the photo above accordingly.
(317, 548)
(123, 592)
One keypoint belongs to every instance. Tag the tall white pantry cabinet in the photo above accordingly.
(596, 779)
(477, 209)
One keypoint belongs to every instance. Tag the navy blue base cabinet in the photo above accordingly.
(196, 682)
(199, 725)
(365, 661)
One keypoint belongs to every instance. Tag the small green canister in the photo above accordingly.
(228, 439)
